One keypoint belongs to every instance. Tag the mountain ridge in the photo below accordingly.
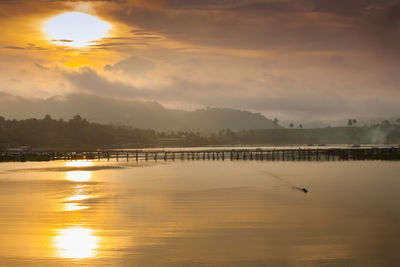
(134, 113)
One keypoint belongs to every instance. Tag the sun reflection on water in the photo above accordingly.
(79, 163)
(77, 198)
(72, 202)
(76, 243)
(78, 176)
(74, 206)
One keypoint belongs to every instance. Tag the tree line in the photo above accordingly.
(80, 134)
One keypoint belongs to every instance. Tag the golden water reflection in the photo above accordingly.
(216, 213)
(74, 206)
(77, 198)
(79, 163)
(78, 176)
(73, 203)
(76, 243)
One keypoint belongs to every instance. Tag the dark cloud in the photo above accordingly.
(382, 22)
(242, 5)
(340, 7)
(76, 1)
(391, 15)
(321, 25)
(29, 47)
(352, 8)
(140, 38)
(268, 7)
(248, 25)
(63, 41)
(101, 45)
(133, 38)
(14, 47)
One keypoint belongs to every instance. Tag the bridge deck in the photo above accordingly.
(287, 154)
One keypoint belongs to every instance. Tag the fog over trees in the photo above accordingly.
(80, 134)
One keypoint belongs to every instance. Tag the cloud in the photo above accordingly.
(63, 41)
(341, 7)
(14, 47)
(246, 25)
(41, 66)
(88, 81)
(296, 58)
(383, 23)
(29, 47)
(289, 104)
(115, 44)
(133, 66)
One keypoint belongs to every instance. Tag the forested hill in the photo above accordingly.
(79, 134)
(138, 114)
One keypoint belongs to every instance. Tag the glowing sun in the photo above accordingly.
(75, 29)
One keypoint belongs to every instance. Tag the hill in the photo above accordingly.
(137, 114)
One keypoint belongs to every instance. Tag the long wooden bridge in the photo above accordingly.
(261, 154)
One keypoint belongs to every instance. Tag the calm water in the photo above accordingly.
(196, 213)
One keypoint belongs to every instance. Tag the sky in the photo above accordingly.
(298, 60)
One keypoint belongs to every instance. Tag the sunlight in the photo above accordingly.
(74, 207)
(73, 203)
(76, 243)
(78, 176)
(79, 163)
(75, 29)
(77, 198)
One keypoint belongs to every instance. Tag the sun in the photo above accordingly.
(75, 29)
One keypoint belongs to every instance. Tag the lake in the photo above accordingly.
(199, 213)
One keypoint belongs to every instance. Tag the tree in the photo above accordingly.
(301, 126)
(275, 121)
(385, 123)
(77, 118)
(354, 121)
(291, 125)
(350, 122)
(47, 117)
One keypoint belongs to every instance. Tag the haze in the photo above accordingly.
(300, 61)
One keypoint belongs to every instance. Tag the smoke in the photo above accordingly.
(377, 136)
